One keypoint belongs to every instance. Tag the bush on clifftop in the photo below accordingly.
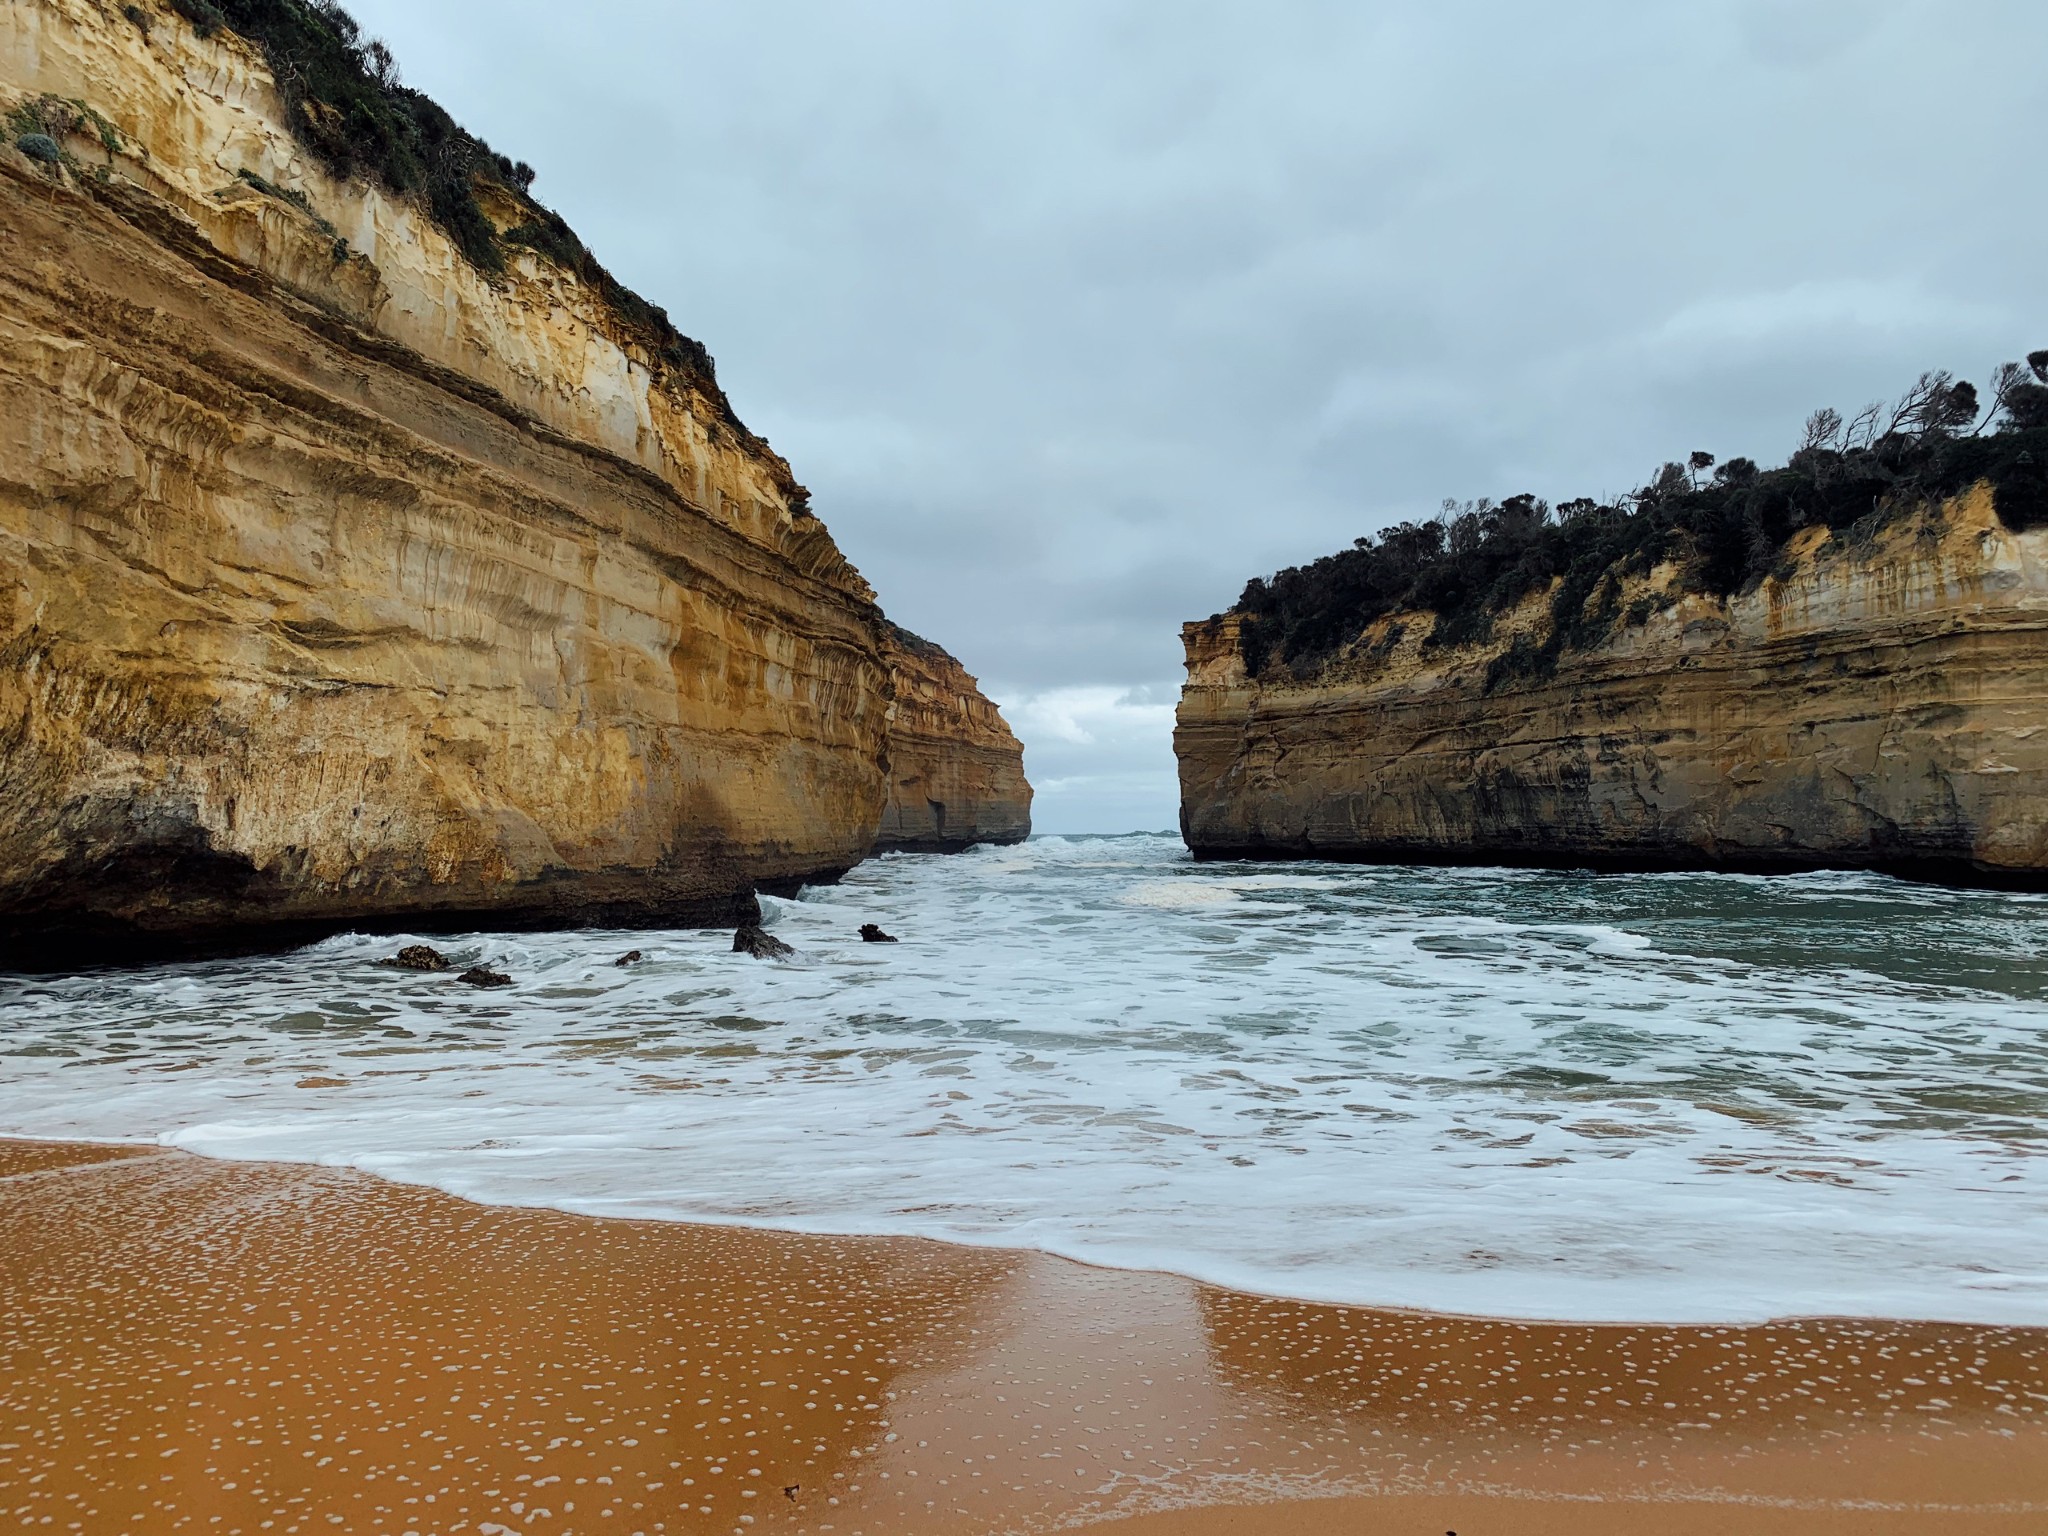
(1477, 560)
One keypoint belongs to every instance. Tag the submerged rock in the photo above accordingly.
(418, 957)
(630, 957)
(872, 934)
(757, 941)
(484, 976)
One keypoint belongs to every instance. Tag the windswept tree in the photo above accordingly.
(2026, 402)
(1823, 430)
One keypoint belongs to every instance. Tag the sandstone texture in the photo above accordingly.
(341, 584)
(1880, 701)
(956, 773)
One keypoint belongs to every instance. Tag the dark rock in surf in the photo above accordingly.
(870, 933)
(418, 957)
(484, 976)
(630, 957)
(757, 941)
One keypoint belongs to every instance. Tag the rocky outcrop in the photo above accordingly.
(956, 773)
(342, 582)
(1880, 700)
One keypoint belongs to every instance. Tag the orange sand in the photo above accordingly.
(198, 1346)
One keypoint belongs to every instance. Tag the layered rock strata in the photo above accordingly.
(1878, 702)
(342, 583)
(956, 773)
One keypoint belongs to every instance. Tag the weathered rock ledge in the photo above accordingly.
(1877, 702)
(956, 772)
(343, 585)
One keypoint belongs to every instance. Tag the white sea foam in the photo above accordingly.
(1177, 893)
(1656, 1097)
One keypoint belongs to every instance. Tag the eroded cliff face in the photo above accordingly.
(956, 773)
(340, 583)
(1879, 703)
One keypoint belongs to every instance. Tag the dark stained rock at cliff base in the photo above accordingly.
(760, 943)
(871, 933)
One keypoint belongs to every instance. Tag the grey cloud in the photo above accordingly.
(1075, 315)
(1808, 32)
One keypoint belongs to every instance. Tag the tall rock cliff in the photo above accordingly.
(347, 576)
(956, 773)
(1879, 699)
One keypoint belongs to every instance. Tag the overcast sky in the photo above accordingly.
(1075, 314)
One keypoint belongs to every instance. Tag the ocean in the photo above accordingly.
(1652, 1098)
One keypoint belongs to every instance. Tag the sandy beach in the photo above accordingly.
(188, 1344)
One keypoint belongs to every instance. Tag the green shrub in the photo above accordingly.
(206, 19)
(292, 195)
(110, 136)
(42, 123)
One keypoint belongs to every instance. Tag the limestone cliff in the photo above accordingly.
(956, 773)
(1879, 700)
(345, 581)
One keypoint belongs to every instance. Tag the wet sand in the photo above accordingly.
(188, 1345)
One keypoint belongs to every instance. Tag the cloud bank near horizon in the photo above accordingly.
(1076, 315)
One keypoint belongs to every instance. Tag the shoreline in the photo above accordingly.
(234, 1323)
(771, 1227)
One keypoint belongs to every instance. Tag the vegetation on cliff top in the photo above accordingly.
(1725, 524)
(345, 102)
(937, 655)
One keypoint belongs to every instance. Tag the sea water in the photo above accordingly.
(1671, 1097)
